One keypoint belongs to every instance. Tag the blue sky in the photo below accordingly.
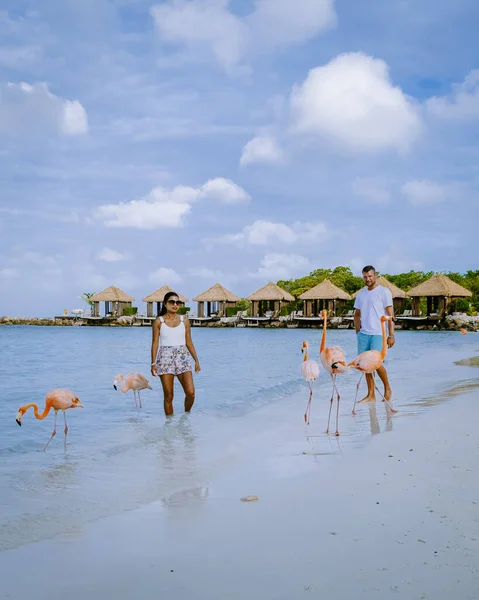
(193, 141)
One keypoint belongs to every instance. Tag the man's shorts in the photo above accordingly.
(369, 342)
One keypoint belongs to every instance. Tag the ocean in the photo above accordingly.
(250, 400)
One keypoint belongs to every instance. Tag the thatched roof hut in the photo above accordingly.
(325, 295)
(395, 291)
(115, 301)
(269, 297)
(439, 291)
(217, 299)
(157, 297)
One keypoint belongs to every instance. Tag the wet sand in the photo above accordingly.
(398, 518)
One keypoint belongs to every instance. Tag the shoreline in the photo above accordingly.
(451, 324)
(394, 518)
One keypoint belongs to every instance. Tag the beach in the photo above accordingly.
(393, 517)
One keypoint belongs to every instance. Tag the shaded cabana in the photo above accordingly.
(325, 295)
(215, 300)
(115, 301)
(157, 298)
(439, 292)
(269, 298)
(398, 294)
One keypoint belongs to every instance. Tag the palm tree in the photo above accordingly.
(86, 297)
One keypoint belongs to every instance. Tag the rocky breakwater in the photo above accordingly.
(35, 321)
(462, 321)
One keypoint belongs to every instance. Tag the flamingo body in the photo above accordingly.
(133, 381)
(56, 399)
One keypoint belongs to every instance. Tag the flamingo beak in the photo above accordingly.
(19, 422)
(19, 418)
(114, 386)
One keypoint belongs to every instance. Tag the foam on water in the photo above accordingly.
(250, 399)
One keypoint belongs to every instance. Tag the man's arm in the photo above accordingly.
(357, 320)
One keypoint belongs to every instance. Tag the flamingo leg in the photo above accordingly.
(338, 397)
(66, 427)
(134, 395)
(53, 432)
(307, 414)
(330, 404)
(357, 391)
(139, 398)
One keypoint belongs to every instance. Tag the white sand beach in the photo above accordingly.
(398, 518)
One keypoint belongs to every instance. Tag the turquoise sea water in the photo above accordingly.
(250, 400)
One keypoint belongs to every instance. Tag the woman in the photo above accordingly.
(173, 334)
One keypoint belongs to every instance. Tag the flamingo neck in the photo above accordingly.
(385, 346)
(35, 410)
(323, 338)
(123, 387)
(306, 354)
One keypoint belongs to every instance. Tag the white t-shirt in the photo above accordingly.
(372, 305)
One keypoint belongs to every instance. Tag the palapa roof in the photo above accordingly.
(217, 293)
(271, 291)
(326, 290)
(395, 291)
(440, 285)
(159, 295)
(111, 294)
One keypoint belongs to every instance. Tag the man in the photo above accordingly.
(371, 303)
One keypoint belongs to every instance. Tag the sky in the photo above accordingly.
(189, 142)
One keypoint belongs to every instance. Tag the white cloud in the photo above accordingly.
(352, 103)
(422, 191)
(284, 22)
(109, 255)
(164, 275)
(281, 266)
(209, 25)
(224, 190)
(371, 189)
(32, 258)
(168, 208)
(261, 233)
(29, 109)
(462, 104)
(203, 23)
(261, 149)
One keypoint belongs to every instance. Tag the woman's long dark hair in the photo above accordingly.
(168, 295)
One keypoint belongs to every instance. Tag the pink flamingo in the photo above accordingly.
(58, 399)
(310, 372)
(133, 381)
(370, 361)
(333, 360)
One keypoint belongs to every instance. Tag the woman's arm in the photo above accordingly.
(190, 345)
(155, 337)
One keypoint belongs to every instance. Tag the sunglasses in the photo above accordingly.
(174, 302)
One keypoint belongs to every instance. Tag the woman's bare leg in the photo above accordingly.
(168, 382)
(186, 380)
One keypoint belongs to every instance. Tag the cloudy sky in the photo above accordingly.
(193, 141)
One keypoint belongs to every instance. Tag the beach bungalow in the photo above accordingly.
(214, 301)
(439, 292)
(115, 301)
(398, 294)
(269, 299)
(157, 298)
(325, 295)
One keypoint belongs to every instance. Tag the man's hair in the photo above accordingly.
(368, 268)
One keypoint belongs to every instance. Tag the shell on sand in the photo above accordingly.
(249, 498)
